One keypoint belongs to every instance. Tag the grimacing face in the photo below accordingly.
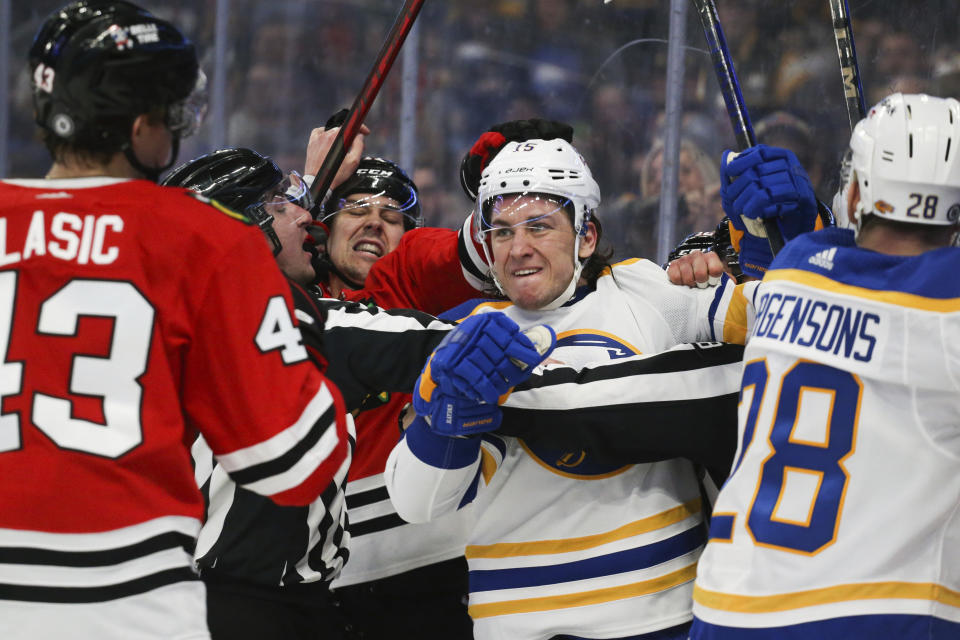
(532, 245)
(362, 235)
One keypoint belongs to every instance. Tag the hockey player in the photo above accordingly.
(564, 544)
(412, 576)
(422, 563)
(366, 217)
(134, 317)
(840, 517)
(254, 185)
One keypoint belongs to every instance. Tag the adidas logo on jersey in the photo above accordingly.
(824, 259)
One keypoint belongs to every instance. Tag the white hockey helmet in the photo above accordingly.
(545, 168)
(905, 159)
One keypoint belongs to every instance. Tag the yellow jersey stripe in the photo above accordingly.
(607, 271)
(545, 547)
(487, 465)
(827, 595)
(735, 322)
(898, 298)
(585, 598)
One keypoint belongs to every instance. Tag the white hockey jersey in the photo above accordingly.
(563, 544)
(842, 516)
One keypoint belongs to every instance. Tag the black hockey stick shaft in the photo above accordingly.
(849, 67)
(361, 106)
(732, 96)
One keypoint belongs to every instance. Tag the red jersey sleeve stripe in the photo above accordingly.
(282, 443)
(325, 472)
(471, 256)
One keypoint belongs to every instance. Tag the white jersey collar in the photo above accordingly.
(86, 182)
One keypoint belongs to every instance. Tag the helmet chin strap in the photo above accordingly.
(323, 264)
(151, 173)
(859, 213)
(565, 295)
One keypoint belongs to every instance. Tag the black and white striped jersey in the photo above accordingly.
(251, 539)
(684, 410)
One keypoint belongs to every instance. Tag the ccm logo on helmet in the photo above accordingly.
(374, 172)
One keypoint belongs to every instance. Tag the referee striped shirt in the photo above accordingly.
(251, 539)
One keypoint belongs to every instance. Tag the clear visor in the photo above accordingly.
(846, 166)
(361, 204)
(184, 117)
(292, 189)
(840, 197)
(507, 212)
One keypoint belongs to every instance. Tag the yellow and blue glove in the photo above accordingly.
(479, 361)
(765, 182)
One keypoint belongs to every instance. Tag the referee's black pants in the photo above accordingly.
(426, 604)
(246, 611)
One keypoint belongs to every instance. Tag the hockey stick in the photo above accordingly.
(732, 96)
(849, 67)
(361, 106)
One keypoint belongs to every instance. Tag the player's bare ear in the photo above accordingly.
(588, 244)
(853, 199)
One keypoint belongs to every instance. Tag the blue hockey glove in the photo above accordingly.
(452, 415)
(478, 362)
(765, 182)
(484, 357)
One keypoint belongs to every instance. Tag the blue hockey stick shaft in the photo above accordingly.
(732, 96)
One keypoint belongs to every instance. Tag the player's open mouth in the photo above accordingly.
(521, 273)
(309, 246)
(368, 247)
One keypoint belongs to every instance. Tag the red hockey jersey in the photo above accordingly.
(132, 317)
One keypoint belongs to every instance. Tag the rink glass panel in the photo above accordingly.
(285, 66)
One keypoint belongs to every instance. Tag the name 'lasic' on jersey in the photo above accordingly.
(72, 238)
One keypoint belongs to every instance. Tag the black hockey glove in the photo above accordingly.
(724, 248)
(489, 144)
(699, 241)
(336, 120)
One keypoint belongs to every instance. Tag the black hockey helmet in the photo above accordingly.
(97, 65)
(377, 177)
(243, 180)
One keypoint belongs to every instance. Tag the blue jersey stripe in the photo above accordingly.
(865, 627)
(620, 562)
(471, 490)
(721, 527)
(915, 275)
(717, 297)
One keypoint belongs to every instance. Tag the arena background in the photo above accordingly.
(279, 68)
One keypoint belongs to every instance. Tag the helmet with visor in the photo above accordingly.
(244, 180)
(375, 183)
(528, 182)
